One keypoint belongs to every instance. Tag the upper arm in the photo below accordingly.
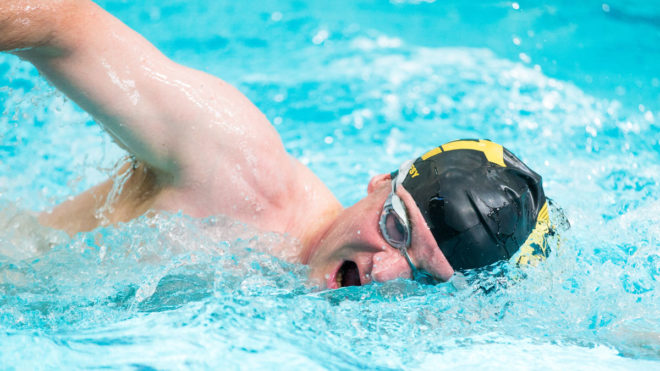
(167, 115)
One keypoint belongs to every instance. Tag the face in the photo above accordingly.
(354, 252)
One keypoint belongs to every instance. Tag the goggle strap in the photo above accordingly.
(402, 173)
(410, 263)
(399, 209)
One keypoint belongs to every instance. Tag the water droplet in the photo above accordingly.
(320, 37)
(649, 116)
(525, 58)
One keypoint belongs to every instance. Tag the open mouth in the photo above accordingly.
(348, 274)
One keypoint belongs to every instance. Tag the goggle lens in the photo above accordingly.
(396, 233)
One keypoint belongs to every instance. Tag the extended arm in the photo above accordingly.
(177, 120)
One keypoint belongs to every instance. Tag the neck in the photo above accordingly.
(316, 209)
(314, 227)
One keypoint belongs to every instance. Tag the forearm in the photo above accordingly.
(99, 63)
(31, 25)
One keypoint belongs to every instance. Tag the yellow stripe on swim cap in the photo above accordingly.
(535, 247)
(431, 153)
(494, 152)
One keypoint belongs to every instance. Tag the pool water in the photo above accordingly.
(354, 88)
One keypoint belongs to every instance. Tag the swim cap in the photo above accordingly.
(480, 202)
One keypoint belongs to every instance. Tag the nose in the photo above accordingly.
(388, 265)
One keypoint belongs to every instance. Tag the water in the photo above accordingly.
(354, 88)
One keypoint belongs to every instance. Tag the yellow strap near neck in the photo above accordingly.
(535, 247)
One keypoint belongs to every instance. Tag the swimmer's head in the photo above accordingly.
(480, 202)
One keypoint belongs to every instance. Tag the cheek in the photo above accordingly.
(389, 265)
(361, 230)
(348, 239)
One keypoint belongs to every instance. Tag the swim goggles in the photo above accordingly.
(395, 227)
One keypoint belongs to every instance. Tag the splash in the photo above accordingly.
(153, 263)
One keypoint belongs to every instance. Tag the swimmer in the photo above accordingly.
(202, 148)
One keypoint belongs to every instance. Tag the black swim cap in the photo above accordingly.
(479, 200)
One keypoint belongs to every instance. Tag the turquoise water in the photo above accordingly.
(354, 88)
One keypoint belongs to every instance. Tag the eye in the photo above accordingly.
(396, 231)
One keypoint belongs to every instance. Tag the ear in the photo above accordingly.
(378, 181)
